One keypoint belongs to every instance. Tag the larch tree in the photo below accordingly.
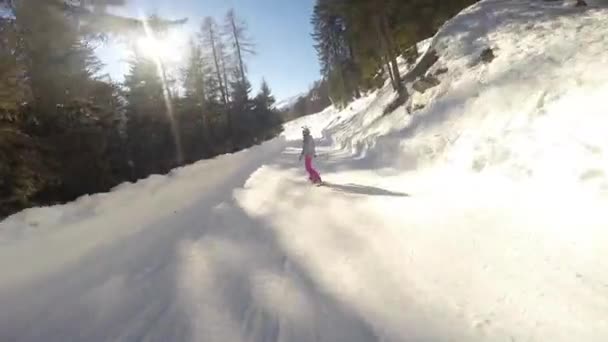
(235, 31)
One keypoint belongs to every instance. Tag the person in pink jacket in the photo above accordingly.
(308, 152)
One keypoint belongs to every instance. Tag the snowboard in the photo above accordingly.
(322, 183)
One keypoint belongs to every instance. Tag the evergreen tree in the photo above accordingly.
(335, 50)
(267, 118)
(240, 110)
(13, 86)
(194, 78)
(51, 95)
(194, 118)
(55, 45)
(150, 139)
(241, 107)
(264, 100)
(212, 43)
(240, 91)
(59, 65)
(357, 38)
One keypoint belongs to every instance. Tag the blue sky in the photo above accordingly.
(280, 28)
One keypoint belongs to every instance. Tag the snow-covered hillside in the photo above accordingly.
(479, 217)
(287, 103)
(545, 88)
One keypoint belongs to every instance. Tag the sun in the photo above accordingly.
(152, 47)
(169, 48)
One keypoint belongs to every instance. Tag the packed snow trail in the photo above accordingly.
(481, 217)
(276, 259)
(208, 271)
(205, 272)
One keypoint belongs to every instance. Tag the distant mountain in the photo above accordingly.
(288, 103)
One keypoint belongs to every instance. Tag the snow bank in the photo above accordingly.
(535, 113)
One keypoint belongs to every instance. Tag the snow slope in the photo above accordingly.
(481, 217)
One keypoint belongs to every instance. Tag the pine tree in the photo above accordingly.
(355, 39)
(13, 86)
(335, 50)
(195, 114)
(56, 49)
(240, 91)
(194, 77)
(264, 100)
(212, 42)
(58, 64)
(267, 119)
(150, 139)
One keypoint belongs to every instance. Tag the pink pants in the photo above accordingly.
(312, 173)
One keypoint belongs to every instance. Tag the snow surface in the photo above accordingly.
(481, 217)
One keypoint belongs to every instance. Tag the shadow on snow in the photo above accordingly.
(367, 190)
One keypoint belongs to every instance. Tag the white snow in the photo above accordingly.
(481, 217)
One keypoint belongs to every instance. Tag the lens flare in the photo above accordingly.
(153, 48)
(156, 50)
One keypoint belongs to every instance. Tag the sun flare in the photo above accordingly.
(168, 48)
(154, 48)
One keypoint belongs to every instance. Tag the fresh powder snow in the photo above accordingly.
(475, 212)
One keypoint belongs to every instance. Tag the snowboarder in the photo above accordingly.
(308, 152)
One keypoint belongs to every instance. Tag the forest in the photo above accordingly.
(359, 43)
(67, 130)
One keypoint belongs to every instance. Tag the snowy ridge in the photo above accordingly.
(288, 102)
(480, 217)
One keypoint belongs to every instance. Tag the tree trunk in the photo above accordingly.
(391, 52)
(387, 52)
(179, 158)
(229, 123)
(201, 97)
(216, 63)
(221, 74)
(225, 75)
(389, 70)
(238, 49)
(353, 68)
(357, 92)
